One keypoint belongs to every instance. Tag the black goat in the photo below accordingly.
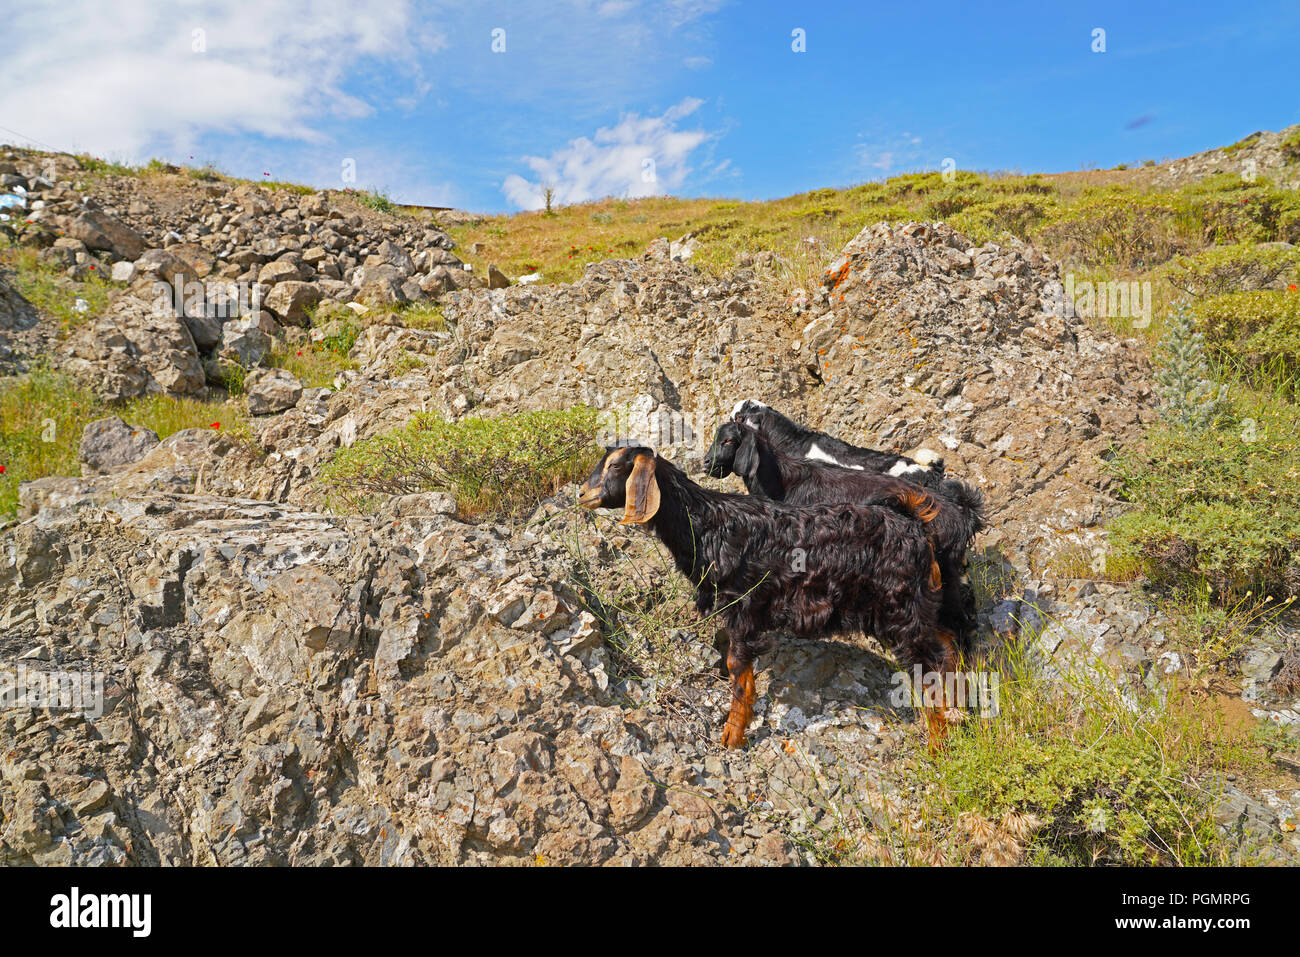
(957, 509)
(814, 570)
(801, 442)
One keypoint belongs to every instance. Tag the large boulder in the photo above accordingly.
(243, 342)
(271, 390)
(392, 255)
(155, 266)
(110, 443)
(98, 230)
(200, 261)
(282, 270)
(289, 301)
(385, 289)
(136, 349)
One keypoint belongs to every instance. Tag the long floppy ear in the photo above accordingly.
(745, 464)
(641, 492)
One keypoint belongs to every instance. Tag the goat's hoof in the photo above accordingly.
(733, 738)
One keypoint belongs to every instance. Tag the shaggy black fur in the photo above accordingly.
(798, 441)
(957, 509)
(812, 570)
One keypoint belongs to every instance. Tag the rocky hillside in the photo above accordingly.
(288, 684)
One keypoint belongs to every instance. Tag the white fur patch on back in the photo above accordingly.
(906, 468)
(817, 455)
(927, 456)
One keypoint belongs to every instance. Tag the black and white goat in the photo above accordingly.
(813, 570)
(801, 442)
(956, 510)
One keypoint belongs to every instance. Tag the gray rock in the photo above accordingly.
(135, 349)
(110, 443)
(243, 342)
(271, 390)
(290, 300)
(98, 230)
(279, 271)
(394, 257)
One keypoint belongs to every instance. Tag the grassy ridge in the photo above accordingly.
(1079, 221)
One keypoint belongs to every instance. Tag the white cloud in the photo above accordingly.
(124, 79)
(889, 153)
(881, 161)
(640, 156)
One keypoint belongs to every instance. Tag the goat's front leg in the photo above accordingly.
(740, 667)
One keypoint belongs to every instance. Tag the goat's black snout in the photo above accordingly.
(721, 457)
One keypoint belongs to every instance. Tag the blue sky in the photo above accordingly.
(631, 97)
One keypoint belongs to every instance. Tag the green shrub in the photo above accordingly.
(376, 200)
(1004, 216)
(1079, 767)
(1096, 793)
(945, 203)
(1291, 145)
(1113, 226)
(1238, 267)
(92, 164)
(1217, 505)
(498, 468)
(1255, 336)
(1235, 210)
(1250, 140)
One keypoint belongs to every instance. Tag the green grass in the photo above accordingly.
(372, 199)
(1081, 220)
(1291, 147)
(48, 288)
(43, 412)
(1233, 268)
(422, 315)
(1092, 777)
(1072, 771)
(94, 165)
(497, 468)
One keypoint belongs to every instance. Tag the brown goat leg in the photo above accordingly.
(741, 669)
(936, 717)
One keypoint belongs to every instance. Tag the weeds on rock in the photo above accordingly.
(497, 468)
(658, 642)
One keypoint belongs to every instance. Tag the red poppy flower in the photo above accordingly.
(2, 469)
(1291, 287)
(214, 425)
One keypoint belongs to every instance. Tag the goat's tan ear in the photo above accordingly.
(641, 492)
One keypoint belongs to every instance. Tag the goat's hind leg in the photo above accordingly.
(740, 668)
(936, 713)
